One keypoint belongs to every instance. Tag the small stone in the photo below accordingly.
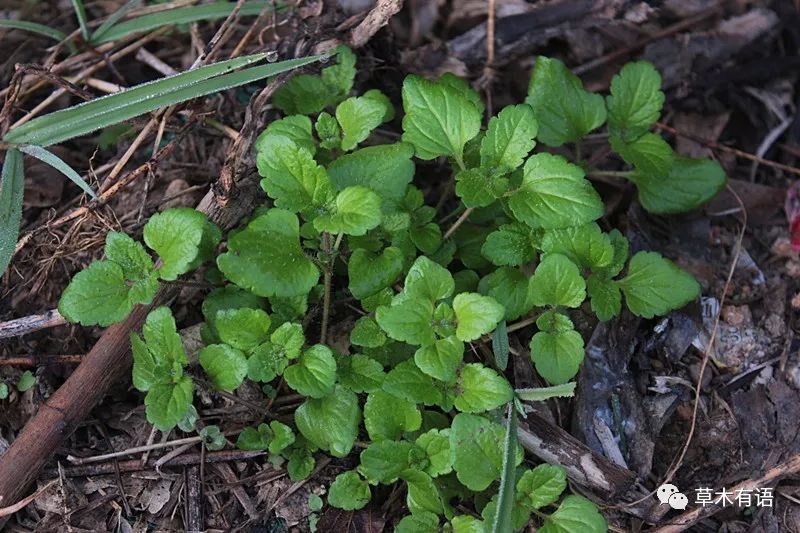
(737, 315)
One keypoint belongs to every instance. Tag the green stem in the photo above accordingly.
(611, 173)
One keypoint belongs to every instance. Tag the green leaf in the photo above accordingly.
(227, 297)
(468, 524)
(476, 450)
(387, 417)
(439, 120)
(462, 87)
(384, 461)
(129, 254)
(57, 163)
(557, 355)
(554, 194)
(155, 357)
(108, 110)
(80, 14)
(307, 94)
(244, 328)
(176, 235)
(408, 382)
(620, 245)
(349, 492)
(314, 374)
(266, 362)
(423, 495)
(635, 101)
(509, 138)
(388, 107)
(167, 403)
(266, 257)
(503, 518)
(576, 514)
(542, 486)
(213, 439)
(429, 280)
(476, 314)
(655, 285)
(418, 523)
(500, 346)
(12, 187)
(386, 169)
(226, 366)
(436, 444)
(557, 281)
(330, 423)
(282, 437)
(291, 175)
(112, 19)
(301, 463)
(3, 391)
(540, 394)
(427, 237)
(294, 127)
(510, 244)
(358, 116)
(369, 274)
(481, 389)
(586, 246)
(441, 359)
(509, 286)
(565, 111)
(254, 438)
(650, 154)
(355, 211)
(479, 187)
(34, 27)
(340, 76)
(26, 381)
(366, 332)
(328, 131)
(690, 184)
(360, 373)
(605, 297)
(407, 320)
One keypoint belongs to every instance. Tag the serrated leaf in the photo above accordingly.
(481, 389)
(557, 281)
(176, 235)
(635, 101)
(295, 127)
(328, 131)
(314, 374)
(554, 194)
(387, 169)
(539, 394)
(575, 514)
(166, 403)
(330, 423)
(349, 492)
(690, 184)
(565, 111)
(360, 373)
(655, 285)
(387, 417)
(462, 87)
(282, 437)
(468, 524)
(509, 286)
(423, 495)
(429, 280)
(227, 297)
(586, 246)
(426, 237)
(650, 154)
(358, 116)
(226, 366)
(384, 461)
(436, 445)
(291, 175)
(155, 356)
(307, 94)
(418, 523)
(12, 187)
(369, 274)
(509, 138)
(408, 382)
(366, 332)
(355, 211)
(605, 297)
(479, 187)
(129, 254)
(266, 257)
(541, 486)
(511, 244)
(441, 359)
(476, 314)
(557, 356)
(407, 320)
(254, 438)
(439, 120)
(476, 449)
(244, 328)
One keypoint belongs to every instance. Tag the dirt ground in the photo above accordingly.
(730, 71)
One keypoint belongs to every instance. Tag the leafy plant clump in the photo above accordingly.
(344, 219)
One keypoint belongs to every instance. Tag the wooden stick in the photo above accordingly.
(30, 324)
(32, 361)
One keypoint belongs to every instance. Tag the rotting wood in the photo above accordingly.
(31, 324)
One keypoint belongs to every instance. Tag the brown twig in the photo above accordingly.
(375, 20)
(32, 361)
(31, 324)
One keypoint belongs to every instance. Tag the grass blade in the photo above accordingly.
(115, 108)
(11, 189)
(112, 19)
(540, 394)
(33, 27)
(505, 499)
(181, 15)
(80, 12)
(57, 163)
(500, 345)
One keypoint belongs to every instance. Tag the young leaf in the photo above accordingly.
(605, 296)
(500, 346)
(12, 187)
(564, 110)
(266, 257)
(308, 94)
(423, 495)
(554, 194)
(26, 381)
(155, 357)
(429, 280)
(650, 154)
(282, 437)
(509, 286)
(369, 274)
(541, 486)
(349, 492)
(297, 128)
(358, 116)
(407, 381)
(557, 281)
(355, 211)
(244, 328)
(360, 373)
(635, 101)
(690, 184)
(387, 169)
(226, 366)
(57, 163)
(407, 320)
(557, 355)
(177, 235)
(576, 514)
(213, 439)
(476, 450)
(330, 423)
(3, 391)
(479, 187)
(476, 315)
(328, 131)
(510, 244)
(439, 120)
(385, 460)
(254, 438)
(314, 374)
(441, 359)
(509, 138)
(387, 417)
(586, 246)
(540, 394)
(481, 389)
(436, 444)
(505, 497)
(656, 286)
(166, 403)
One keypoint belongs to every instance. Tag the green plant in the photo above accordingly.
(344, 218)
